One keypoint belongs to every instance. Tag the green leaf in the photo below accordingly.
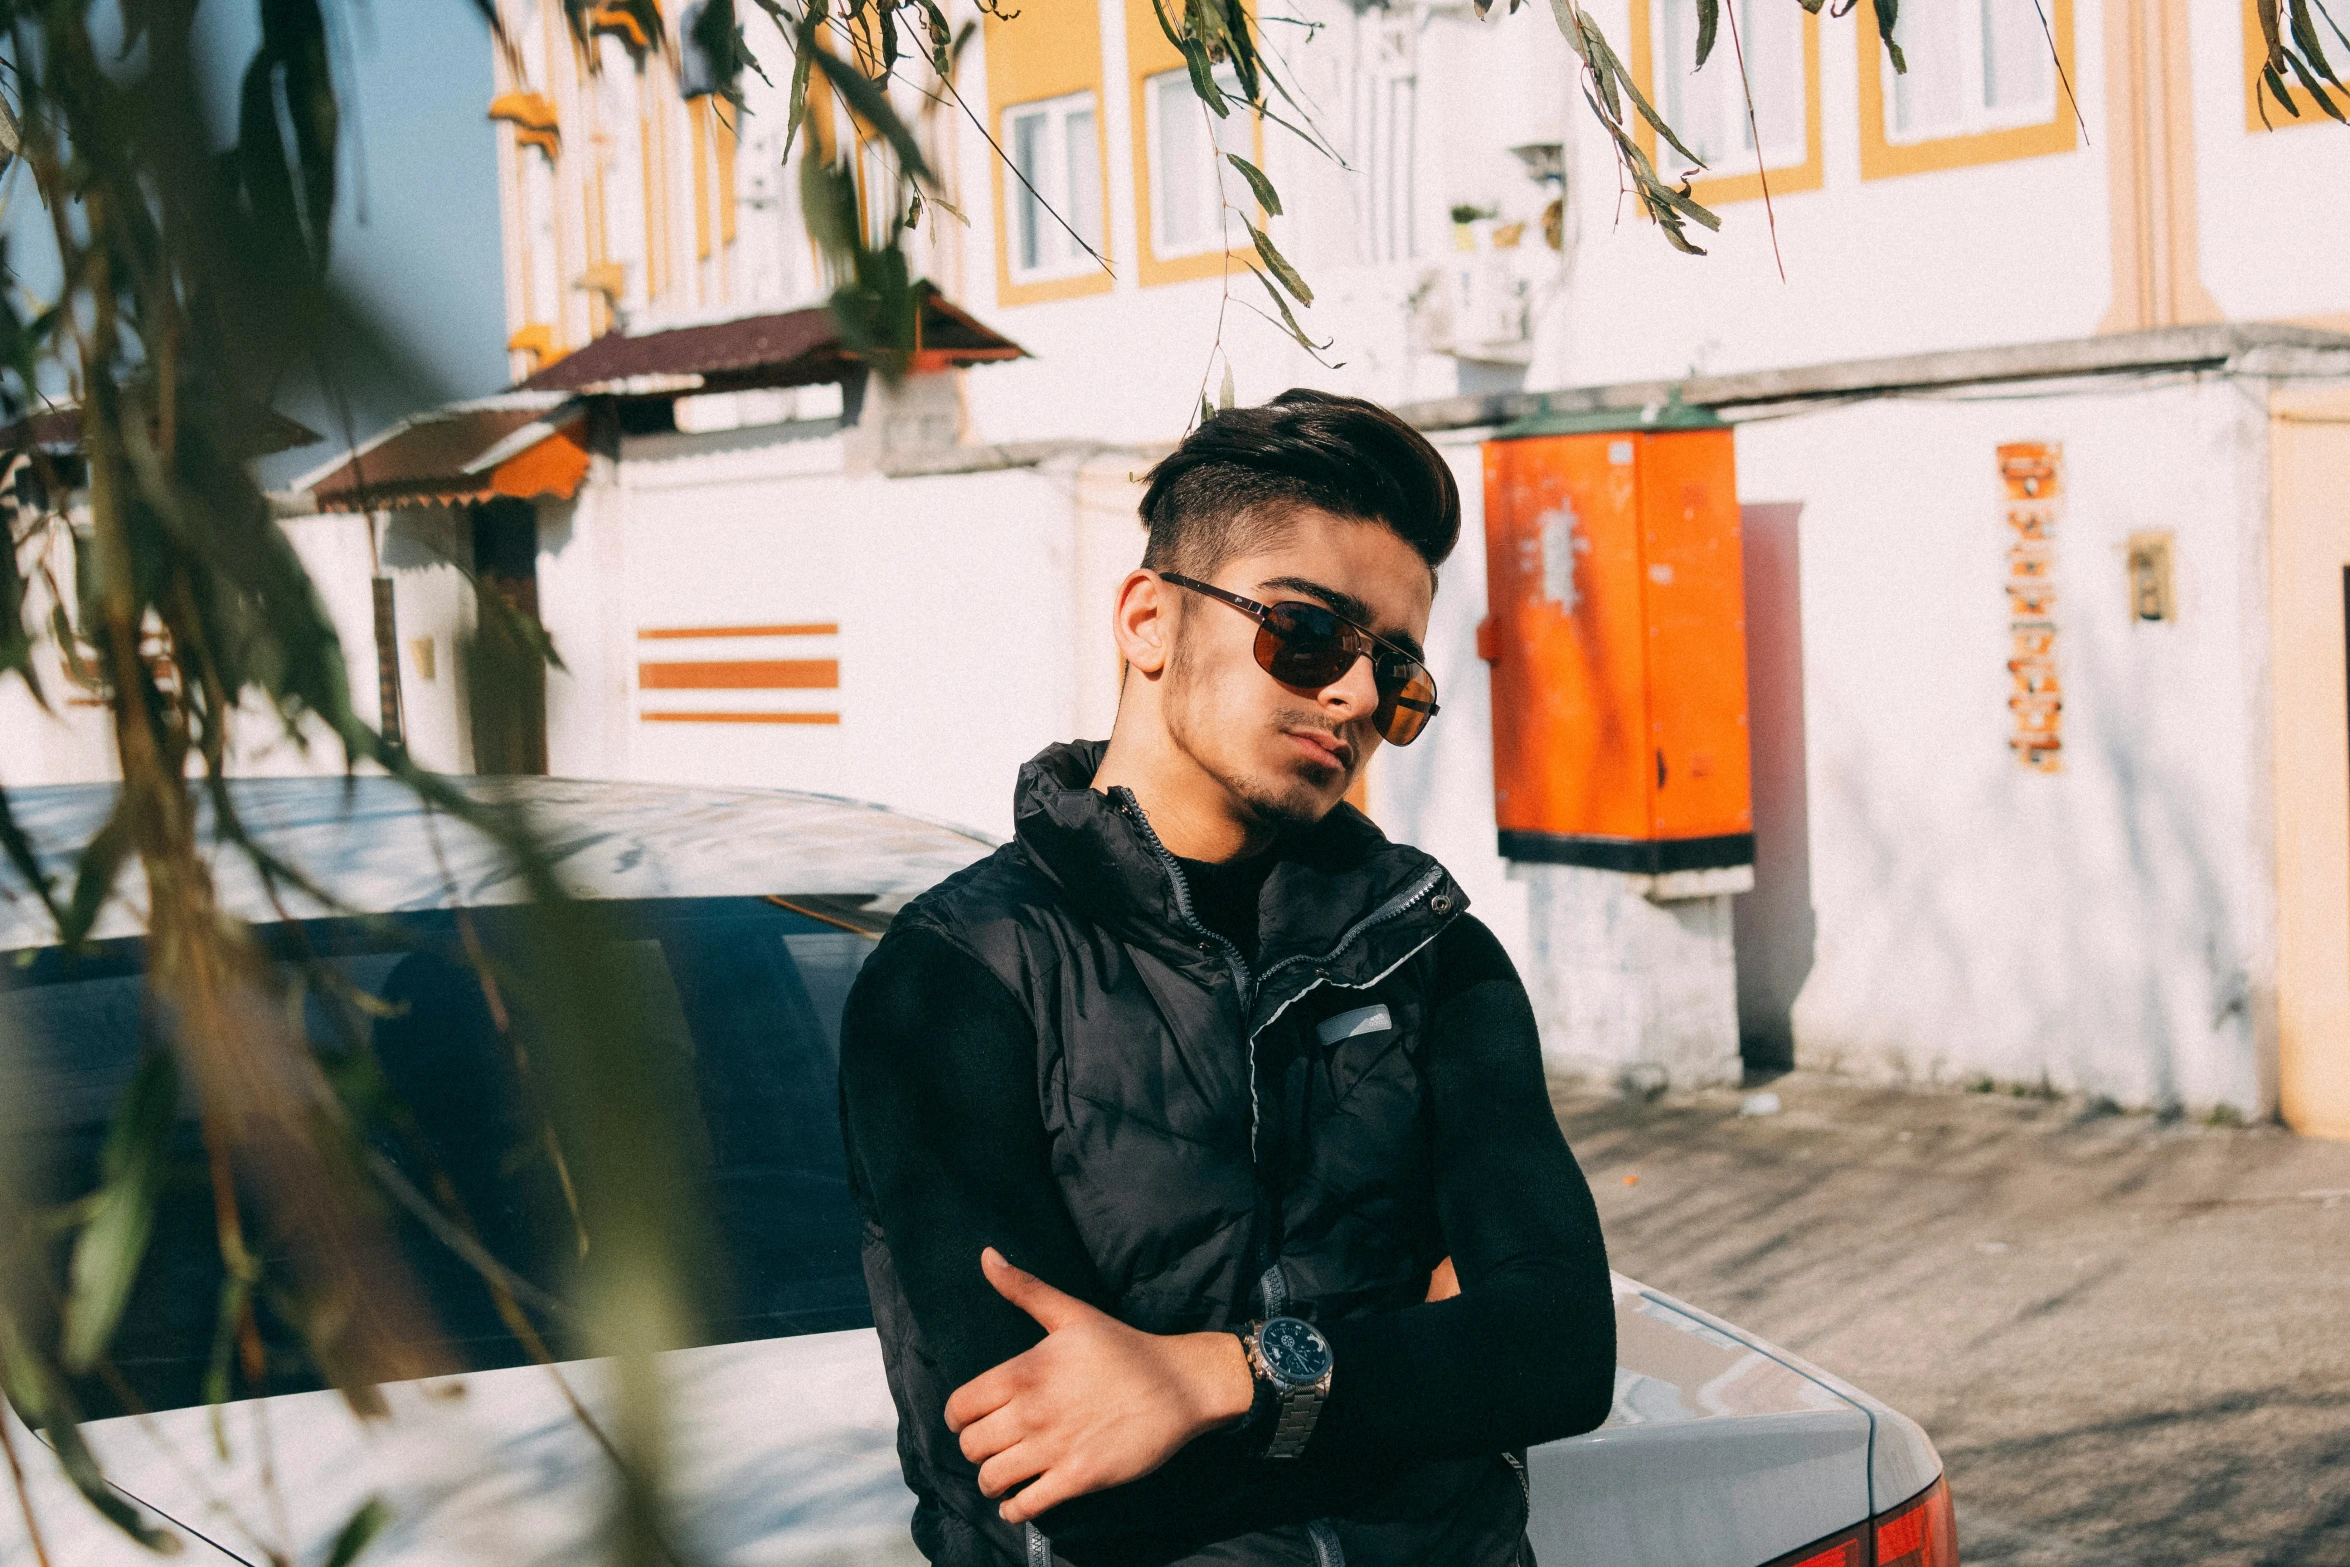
(804, 52)
(2305, 39)
(870, 104)
(1709, 22)
(18, 847)
(42, 1397)
(1887, 11)
(110, 1248)
(2277, 89)
(2309, 84)
(1278, 265)
(1288, 321)
(1267, 197)
(356, 1535)
(95, 873)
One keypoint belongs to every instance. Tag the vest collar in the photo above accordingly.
(1325, 881)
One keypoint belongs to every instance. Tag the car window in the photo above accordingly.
(739, 997)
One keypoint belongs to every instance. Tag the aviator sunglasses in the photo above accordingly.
(1302, 644)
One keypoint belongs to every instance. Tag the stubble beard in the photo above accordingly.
(1271, 801)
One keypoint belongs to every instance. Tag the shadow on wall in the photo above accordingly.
(1772, 927)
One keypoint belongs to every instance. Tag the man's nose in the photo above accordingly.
(1354, 694)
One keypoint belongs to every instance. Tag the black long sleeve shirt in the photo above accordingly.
(948, 1154)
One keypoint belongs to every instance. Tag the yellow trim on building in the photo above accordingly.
(1149, 54)
(697, 118)
(1881, 158)
(1719, 190)
(1050, 49)
(723, 115)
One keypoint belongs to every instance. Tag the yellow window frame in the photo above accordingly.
(1720, 190)
(1149, 54)
(1882, 159)
(1050, 49)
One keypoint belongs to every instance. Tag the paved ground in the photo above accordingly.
(2129, 1339)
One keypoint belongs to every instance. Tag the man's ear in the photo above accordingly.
(1144, 622)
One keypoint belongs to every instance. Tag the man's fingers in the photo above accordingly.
(1052, 1309)
(982, 1439)
(1055, 1486)
(982, 1396)
(1008, 1468)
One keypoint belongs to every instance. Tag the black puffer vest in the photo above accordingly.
(1231, 1139)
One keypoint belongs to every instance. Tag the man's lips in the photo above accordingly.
(1327, 749)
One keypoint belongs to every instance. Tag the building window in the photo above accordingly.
(1190, 181)
(1385, 137)
(1984, 85)
(1055, 148)
(1979, 66)
(1707, 108)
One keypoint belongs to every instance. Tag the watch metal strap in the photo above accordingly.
(1300, 1408)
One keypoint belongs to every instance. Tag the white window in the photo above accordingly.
(1056, 154)
(1190, 181)
(1707, 108)
(1974, 65)
(1384, 139)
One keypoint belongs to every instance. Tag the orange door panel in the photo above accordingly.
(1693, 593)
(1563, 590)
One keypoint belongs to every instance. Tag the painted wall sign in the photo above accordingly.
(2031, 483)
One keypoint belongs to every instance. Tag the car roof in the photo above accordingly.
(371, 843)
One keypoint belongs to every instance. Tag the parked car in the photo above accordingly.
(746, 916)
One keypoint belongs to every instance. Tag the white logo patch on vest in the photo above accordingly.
(1355, 1024)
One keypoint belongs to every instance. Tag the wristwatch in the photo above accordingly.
(1291, 1358)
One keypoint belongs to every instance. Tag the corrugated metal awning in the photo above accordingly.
(525, 445)
(788, 348)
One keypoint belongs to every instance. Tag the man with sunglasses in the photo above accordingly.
(1215, 1211)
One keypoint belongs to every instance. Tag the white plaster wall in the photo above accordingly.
(2107, 928)
(973, 613)
(1437, 792)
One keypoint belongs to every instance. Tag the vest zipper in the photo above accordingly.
(1394, 908)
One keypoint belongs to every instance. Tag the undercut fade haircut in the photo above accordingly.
(1237, 481)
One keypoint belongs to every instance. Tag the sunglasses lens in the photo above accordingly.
(1404, 710)
(1304, 645)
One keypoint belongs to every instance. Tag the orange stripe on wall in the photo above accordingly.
(749, 674)
(814, 628)
(740, 718)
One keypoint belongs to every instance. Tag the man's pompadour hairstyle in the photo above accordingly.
(1237, 480)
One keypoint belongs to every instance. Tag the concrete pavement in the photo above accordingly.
(2129, 1338)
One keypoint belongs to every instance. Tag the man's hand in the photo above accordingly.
(1095, 1405)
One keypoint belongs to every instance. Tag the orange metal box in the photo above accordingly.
(1617, 634)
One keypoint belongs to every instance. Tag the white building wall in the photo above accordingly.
(2106, 928)
(973, 615)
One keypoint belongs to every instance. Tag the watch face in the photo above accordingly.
(1293, 1351)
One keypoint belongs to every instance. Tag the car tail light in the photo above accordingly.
(1920, 1532)
(1847, 1549)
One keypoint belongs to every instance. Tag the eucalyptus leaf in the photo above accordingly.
(1261, 187)
(359, 1532)
(870, 104)
(1278, 265)
(112, 1245)
(1709, 21)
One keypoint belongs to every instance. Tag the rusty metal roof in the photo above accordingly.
(251, 430)
(789, 348)
(463, 452)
